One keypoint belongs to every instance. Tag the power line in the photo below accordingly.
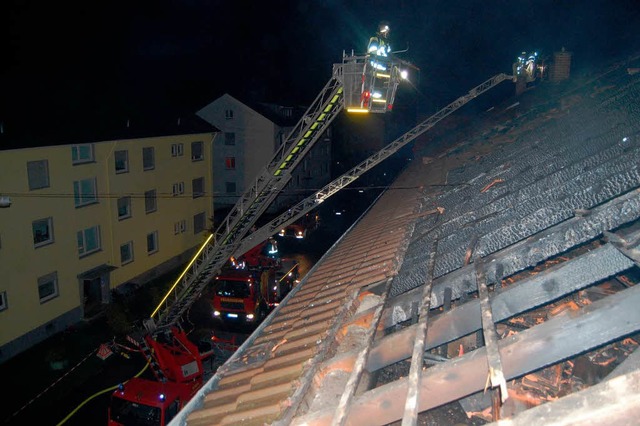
(189, 195)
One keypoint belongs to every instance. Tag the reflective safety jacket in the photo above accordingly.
(378, 47)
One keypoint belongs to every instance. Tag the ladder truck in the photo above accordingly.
(176, 363)
(347, 89)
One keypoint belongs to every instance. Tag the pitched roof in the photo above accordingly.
(281, 115)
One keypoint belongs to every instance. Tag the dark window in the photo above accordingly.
(48, 287)
(148, 158)
(82, 154)
(231, 187)
(132, 413)
(177, 189)
(42, 232)
(126, 253)
(3, 301)
(198, 223)
(124, 207)
(230, 288)
(228, 114)
(197, 185)
(177, 149)
(150, 203)
(88, 241)
(197, 151)
(152, 242)
(180, 227)
(38, 173)
(122, 161)
(85, 192)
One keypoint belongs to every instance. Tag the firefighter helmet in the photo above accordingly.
(383, 29)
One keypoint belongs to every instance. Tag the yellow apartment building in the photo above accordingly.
(79, 220)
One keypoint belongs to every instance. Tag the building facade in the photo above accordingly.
(250, 135)
(85, 219)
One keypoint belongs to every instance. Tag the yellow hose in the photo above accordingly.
(96, 395)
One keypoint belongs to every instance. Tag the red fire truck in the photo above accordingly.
(244, 295)
(180, 370)
(247, 295)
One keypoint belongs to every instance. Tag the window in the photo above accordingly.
(148, 158)
(231, 187)
(229, 138)
(124, 207)
(179, 227)
(126, 253)
(198, 223)
(38, 173)
(3, 300)
(177, 149)
(48, 287)
(122, 161)
(230, 163)
(42, 232)
(197, 151)
(88, 241)
(84, 192)
(228, 114)
(150, 203)
(197, 185)
(82, 154)
(152, 242)
(177, 189)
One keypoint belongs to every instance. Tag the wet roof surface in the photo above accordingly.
(520, 241)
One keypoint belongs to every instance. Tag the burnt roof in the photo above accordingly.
(501, 261)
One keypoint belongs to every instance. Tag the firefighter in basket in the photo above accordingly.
(379, 49)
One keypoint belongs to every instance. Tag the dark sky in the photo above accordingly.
(96, 57)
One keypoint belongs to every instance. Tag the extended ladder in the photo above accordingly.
(311, 202)
(224, 242)
(213, 254)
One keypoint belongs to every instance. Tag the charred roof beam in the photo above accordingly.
(534, 291)
(524, 254)
(542, 345)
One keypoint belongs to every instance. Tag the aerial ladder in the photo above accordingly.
(350, 79)
(303, 207)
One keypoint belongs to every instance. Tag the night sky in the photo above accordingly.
(96, 58)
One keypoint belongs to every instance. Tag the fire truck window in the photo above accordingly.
(226, 288)
(128, 412)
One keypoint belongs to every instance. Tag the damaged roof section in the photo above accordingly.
(499, 276)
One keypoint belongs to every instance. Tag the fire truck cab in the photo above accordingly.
(180, 373)
(143, 402)
(246, 296)
(243, 296)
